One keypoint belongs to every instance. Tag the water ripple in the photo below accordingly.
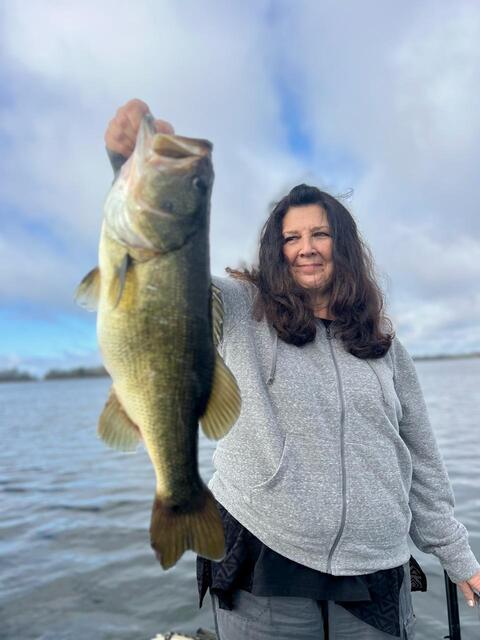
(76, 558)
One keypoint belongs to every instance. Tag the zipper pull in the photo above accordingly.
(328, 332)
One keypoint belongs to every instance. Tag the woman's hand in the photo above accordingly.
(469, 587)
(122, 130)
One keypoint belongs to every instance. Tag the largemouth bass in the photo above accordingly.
(156, 324)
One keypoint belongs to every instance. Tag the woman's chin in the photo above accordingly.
(310, 283)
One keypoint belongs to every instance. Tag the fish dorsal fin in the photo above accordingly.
(217, 315)
(88, 291)
(117, 286)
(115, 427)
(224, 403)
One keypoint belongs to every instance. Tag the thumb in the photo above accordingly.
(163, 126)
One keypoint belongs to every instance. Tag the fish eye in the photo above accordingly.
(199, 184)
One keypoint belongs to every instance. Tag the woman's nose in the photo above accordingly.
(307, 248)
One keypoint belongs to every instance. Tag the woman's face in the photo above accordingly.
(308, 246)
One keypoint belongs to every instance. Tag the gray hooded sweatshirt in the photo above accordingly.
(332, 462)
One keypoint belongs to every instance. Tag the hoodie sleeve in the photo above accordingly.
(434, 528)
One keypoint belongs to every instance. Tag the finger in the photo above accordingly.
(134, 110)
(123, 148)
(120, 138)
(122, 125)
(467, 593)
(135, 104)
(474, 582)
(163, 126)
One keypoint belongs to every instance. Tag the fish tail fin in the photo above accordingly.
(174, 529)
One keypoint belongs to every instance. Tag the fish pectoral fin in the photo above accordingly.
(88, 291)
(199, 527)
(224, 403)
(117, 285)
(115, 427)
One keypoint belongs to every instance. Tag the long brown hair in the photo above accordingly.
(356, 300)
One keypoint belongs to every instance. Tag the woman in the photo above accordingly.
(332, 463)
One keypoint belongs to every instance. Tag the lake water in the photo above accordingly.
(75, 558)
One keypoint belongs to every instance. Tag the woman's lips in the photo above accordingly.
(308, 267)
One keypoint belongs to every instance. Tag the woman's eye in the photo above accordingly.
(320, 233)
(289, 238)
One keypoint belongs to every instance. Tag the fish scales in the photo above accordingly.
(155, 332)
(151, 357)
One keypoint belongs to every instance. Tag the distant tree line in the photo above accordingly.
(440, 356)
(78, 372)
(14, 375)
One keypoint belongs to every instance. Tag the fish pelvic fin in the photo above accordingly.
(224, 404)
(175, 529)
(88, 291)
(115, 427)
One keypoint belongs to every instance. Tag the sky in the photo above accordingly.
(376, 101)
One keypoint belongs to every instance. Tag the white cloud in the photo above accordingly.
(397, 88)
(35, 273)
(204, 70)
(435, 327)
(394, 89)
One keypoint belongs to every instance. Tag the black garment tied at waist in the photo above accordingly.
(251, 565)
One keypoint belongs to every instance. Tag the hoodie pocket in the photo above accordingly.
(378, 512)
(303, 495)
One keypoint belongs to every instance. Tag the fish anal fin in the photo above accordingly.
(115, 427)
(224, 403)
(175, 530)
(88, 291)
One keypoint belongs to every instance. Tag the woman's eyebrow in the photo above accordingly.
(324, 226)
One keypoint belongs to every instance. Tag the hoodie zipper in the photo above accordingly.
(342, 454)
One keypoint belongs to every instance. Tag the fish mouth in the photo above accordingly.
(178, 148)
